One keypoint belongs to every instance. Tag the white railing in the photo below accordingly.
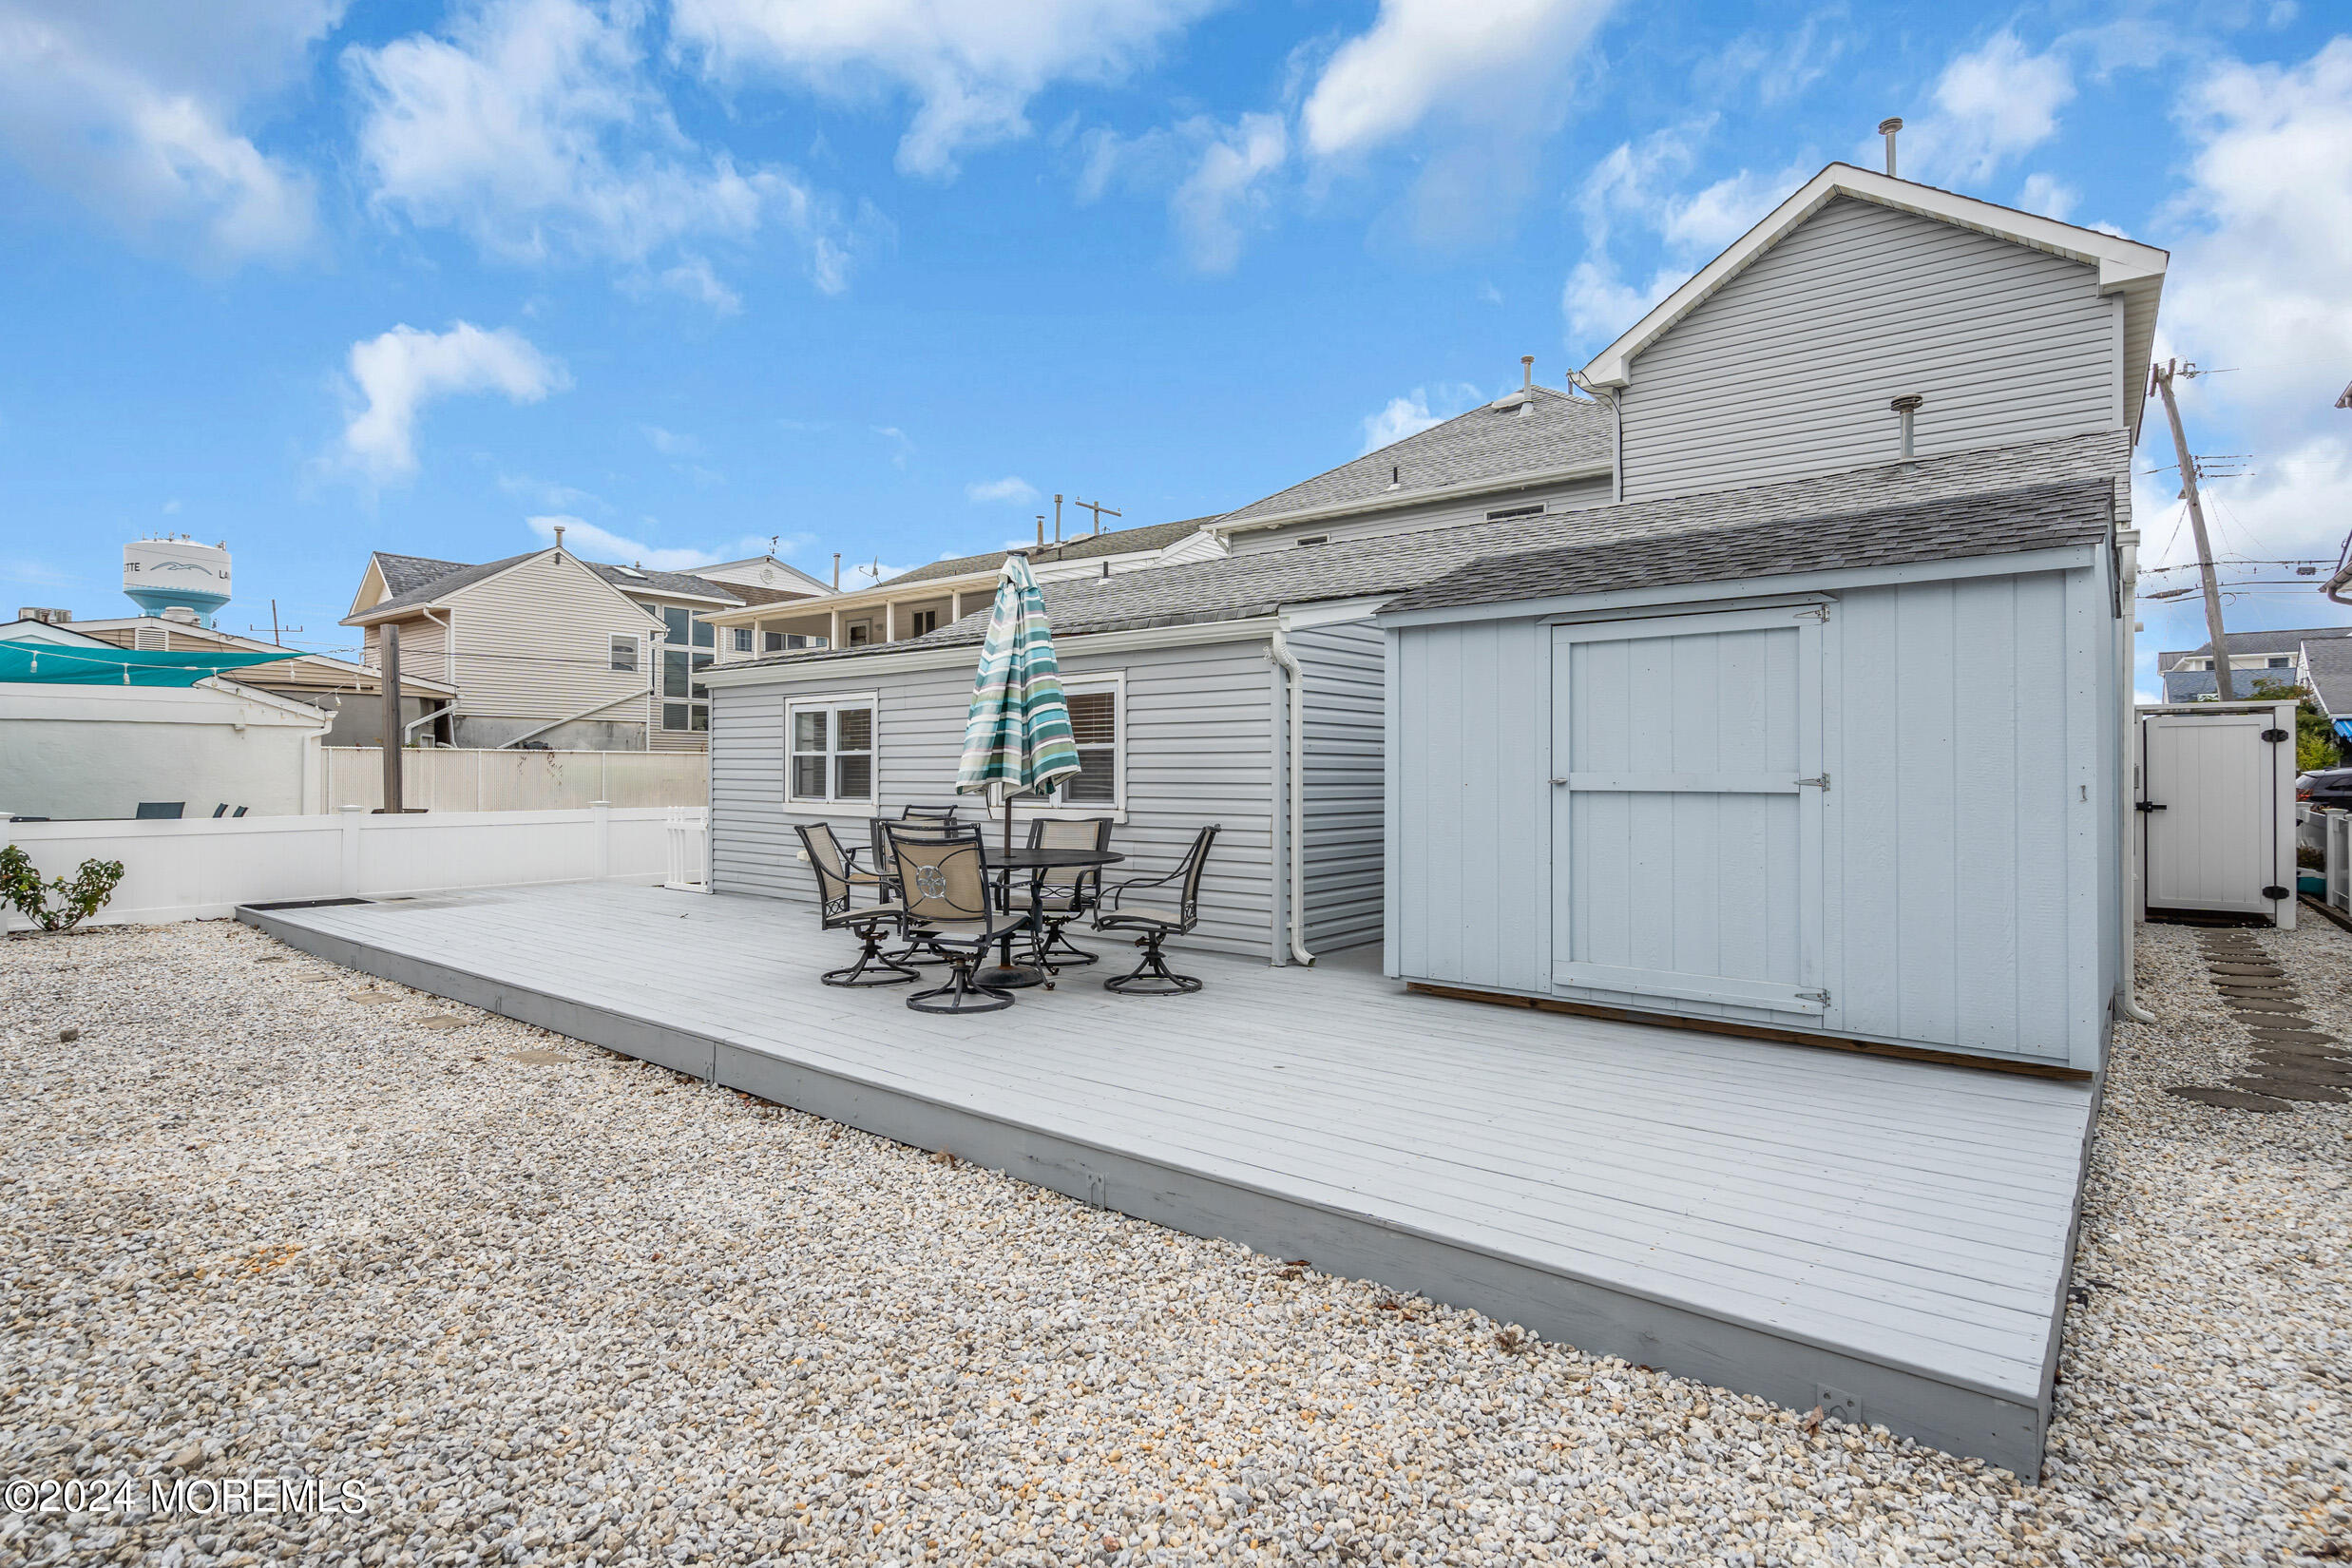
(204, 868)
(2338, 827)
(442, 778)
(688, 849)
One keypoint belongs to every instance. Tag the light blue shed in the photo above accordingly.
(1853, 778)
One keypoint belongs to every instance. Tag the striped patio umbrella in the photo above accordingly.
(1018, 732)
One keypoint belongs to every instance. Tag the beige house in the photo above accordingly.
(352, 694)
(944, 592)
(547, 649)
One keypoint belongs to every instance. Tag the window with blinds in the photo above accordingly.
(832, 754)
(1094, 726)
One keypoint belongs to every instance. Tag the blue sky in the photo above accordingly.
(872, 276)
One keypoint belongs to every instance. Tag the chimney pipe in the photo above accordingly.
(1887, 128)
(1527, 372)
(1041, 530)
(837, 572)
(1904, 408)
(1057, 517)
(558, 536)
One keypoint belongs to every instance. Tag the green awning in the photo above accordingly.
(58, 664)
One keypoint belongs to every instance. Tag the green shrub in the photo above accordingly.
(21, 885)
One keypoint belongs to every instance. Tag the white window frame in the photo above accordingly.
(1114, 681)
(743, 641)
(633, 646)
(829, 804)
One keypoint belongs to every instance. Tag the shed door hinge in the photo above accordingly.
(1822, 997)
(1813, 612)
(1821, 783)
(2274, 737)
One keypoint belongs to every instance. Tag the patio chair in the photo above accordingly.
(836, 886)
(940, 815)
(1066, 892)
(948, 904)
(221, 810)
(1158, 908)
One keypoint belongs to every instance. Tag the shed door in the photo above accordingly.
(1687, 807)
(2213, 838)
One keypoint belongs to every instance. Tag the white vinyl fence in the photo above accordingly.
(442, 778)
(204, 868)
(2335, 828)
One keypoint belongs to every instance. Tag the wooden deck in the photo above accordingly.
(1803, 1224)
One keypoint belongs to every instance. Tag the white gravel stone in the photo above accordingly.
(581, 1310)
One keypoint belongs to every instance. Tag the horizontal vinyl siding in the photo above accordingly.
(535, 644)
(1343, 667)
(1789, 369)
(1438, 513)
(1198, 729)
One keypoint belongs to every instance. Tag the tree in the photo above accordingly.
(2315, 737)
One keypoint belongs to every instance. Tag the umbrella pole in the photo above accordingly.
(1007, 973)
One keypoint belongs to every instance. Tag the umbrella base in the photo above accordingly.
(1009, 977)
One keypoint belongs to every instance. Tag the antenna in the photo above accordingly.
(1097, 508)
(276, 632)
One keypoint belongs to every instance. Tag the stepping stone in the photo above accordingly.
(440, 1020)
(2262, 1005)
(273, 958)
(2235, 970)
(540, 1058)
(373, 999)
(2280, 1089)
(2266, 1034)
(2254, 987)
(2309, 1055)
(2229, 1100)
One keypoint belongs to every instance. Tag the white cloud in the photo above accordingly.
(1226, 190)
(533, 128)
(671, 444)
(132, 111)
(1011, 487)
(901, 445)
(1428, 58)
(1991, 104)
(401, 370)
(971, 69)
(1600, 305)
(1412, 413)
(590, 543)
(2048, 195)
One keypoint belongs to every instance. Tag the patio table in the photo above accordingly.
(1020, 857)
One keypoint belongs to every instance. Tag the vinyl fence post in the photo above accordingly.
(602, 810)
(350, 879)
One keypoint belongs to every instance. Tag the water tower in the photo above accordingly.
(160, 574)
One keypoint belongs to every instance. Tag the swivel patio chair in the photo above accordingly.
(950, 905)
(837, 886)
(1064, 894)
(941, 817)
(1158, 908)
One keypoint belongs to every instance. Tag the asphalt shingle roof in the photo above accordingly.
(1153, 536)
(2330, 657)
(2038, 517)
(419, 583)
(1487, 442)
(1235, 587)
(2254, 643)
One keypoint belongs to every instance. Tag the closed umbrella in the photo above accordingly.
(1018, 731)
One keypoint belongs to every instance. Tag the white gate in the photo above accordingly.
(1687, 807)
(2217, 810)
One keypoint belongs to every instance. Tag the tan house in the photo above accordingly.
(547, 649)
(351, 694)
(944, 592)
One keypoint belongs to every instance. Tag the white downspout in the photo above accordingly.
(1297, 706)
(2128, 568)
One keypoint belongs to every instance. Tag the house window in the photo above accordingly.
(685, 629)
(861, 632)
(623, 652)
(2280, 662)
(685, 701)
(1094, 725)
(924, 621)
(1300, 543)
(743, 640)
(833, 751)
(772, 641)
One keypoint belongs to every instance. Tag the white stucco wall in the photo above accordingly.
(73, 751)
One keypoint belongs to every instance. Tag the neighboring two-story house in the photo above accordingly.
(547, 649)
(2254, 657)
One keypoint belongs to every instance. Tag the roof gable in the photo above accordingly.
(2125, 266)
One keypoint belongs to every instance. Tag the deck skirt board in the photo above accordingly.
(1765, 1216)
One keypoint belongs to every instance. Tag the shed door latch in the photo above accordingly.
(1821, 783)
(2274, 737)
(2147, 806)
(2274, 891)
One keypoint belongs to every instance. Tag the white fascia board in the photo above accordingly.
(1333, 612)
(2126, 266)
(1412, 498)
(850, 604)
(373, 574)
(2017, 563)
(964, 654)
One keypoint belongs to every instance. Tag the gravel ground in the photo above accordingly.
(542, 1305)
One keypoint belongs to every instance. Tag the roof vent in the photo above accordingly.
(1523, 399)
(1887, 128)
(1504, 513)
(1394, 482)
(1312, 539)
(182, 614)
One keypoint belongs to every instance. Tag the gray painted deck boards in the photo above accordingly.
(1765, 1216)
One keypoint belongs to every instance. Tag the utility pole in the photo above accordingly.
(391, 673)
(2224, 687)
(276, 632)
(1094, 506)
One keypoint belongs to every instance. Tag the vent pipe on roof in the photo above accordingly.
(837, 572)
(1887, 128)
(558, 536)
(1057, 517)
(1394, 483)
(1905, 408)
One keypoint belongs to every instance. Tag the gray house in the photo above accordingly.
(1899, 417)
(2281, 656)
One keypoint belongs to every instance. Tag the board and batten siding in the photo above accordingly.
(1789, 369)
(1971, 736)
(1344, 671)
(1197, 734)
(1440, 512)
